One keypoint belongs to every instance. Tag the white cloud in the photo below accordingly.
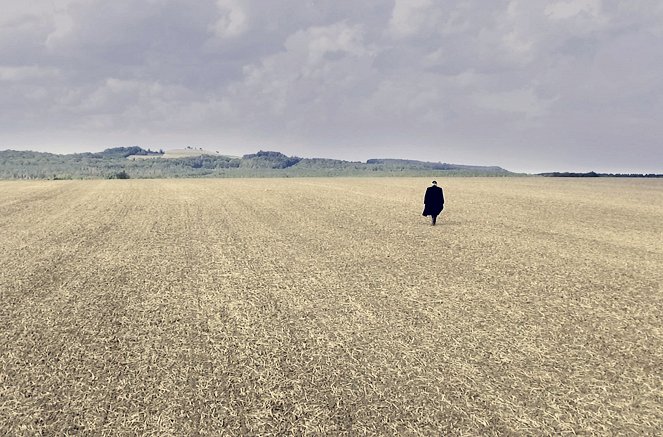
(232, 21)
(63, 22)
(314, 60)
(409, 16)
(569, 9)
(14, 11)
(320, 43)
(26, 73)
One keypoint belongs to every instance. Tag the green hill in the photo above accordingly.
(122, 162)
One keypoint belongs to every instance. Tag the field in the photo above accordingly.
(331, 306)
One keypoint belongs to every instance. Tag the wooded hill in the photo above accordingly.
(135, 162)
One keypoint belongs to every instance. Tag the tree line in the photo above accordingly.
(120, 163)
(592, 174)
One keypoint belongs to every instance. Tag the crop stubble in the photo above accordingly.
(330, 306)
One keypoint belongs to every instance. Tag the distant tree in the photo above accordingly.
(122, 152)
(119, 175)
(268, 159)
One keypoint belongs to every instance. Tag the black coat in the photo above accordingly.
(433, 201)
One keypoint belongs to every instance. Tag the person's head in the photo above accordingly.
(435, 183)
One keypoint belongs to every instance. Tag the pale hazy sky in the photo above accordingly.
(530, 85)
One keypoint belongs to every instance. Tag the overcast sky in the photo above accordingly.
(530, 85)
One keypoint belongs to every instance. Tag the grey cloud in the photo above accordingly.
(532, 85)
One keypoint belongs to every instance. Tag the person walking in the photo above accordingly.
(433, 202)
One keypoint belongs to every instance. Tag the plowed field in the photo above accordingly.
(331, 306)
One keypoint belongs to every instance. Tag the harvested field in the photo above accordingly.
(331, 306)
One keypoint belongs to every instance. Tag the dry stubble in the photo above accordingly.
(330, 306)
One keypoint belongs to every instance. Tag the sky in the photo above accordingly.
(529, 85)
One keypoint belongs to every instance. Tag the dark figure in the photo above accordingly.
(433, 202)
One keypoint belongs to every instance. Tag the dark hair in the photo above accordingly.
(435, 182)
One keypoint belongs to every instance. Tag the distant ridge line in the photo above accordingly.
(593, 174)
(136, 162)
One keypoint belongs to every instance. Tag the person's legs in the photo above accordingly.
(434, 219)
